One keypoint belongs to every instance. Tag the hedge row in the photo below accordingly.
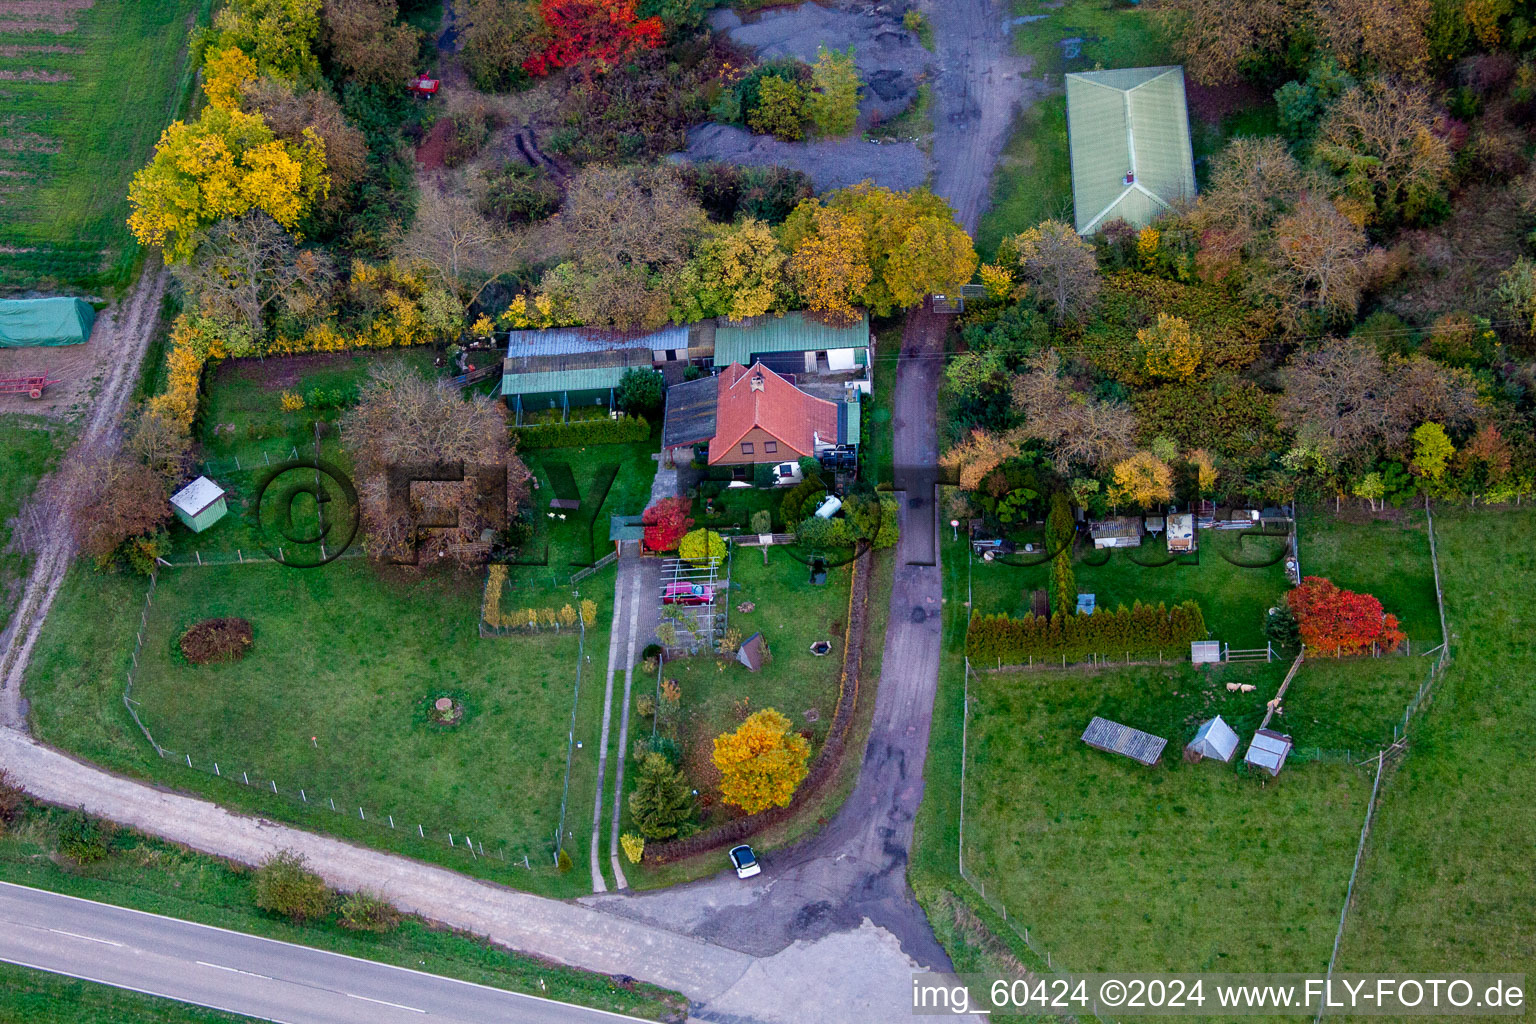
(1141, 629)
(828, 758)
(582, 432)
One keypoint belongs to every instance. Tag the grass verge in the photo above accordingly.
(163, 878)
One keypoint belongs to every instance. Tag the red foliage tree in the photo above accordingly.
(1341, 622)
(597, 33)
(666, 522)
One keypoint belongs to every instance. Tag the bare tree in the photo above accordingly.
(1320, 260)
(245, 265)
(1334, 397)
(1080, 430)
(1057, 264)
(404, 420)
(454, 242)
(630, 231)
(160, 444)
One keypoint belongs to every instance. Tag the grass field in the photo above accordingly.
(610, 479)
(327, 701)
(87, 89)
(164, 878)
(1387, 558)
(1446, 883)
(38, 997)
(1234, 598)
(29, 447)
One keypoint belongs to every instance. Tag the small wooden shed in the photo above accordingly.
(200, 504)
(750, 653)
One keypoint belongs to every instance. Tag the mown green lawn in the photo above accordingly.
(1234, 598)
(70, 143)
(1115, 866)
(610, 479)
(1446, 883)
(1387, 558)
(327, 701)
(164, 878)
(29, 447)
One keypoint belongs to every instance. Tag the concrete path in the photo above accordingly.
(244, 974)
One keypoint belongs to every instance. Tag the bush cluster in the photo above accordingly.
(582, 432)
(1141, 629)
(212, 640)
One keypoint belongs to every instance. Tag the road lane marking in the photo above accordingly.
(87, 938)
(232, 970)
(385, 1002)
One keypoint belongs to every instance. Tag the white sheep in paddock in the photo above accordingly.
(1231, 687)
(1247, 687)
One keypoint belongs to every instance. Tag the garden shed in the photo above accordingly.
(750, 653)
(1120, 532)
(1114, 738)
(55, 321)
(1269, 750)
(794, 343)
(1214, 738)
(1181, 532)
(200, 504)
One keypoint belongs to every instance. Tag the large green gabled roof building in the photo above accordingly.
(1129, 134)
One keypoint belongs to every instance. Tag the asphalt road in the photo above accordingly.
(263, 978)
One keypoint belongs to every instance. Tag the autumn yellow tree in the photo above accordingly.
(226, 73)
(761, 763)
(979, 454)
(1143, 480)
(1170, 349)
(279, 35)
(1205, 470)
(827, 263)
(224, 164)
(899, 246)
(737, 271)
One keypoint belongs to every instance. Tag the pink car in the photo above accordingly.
(688, 593)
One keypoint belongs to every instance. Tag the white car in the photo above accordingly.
(745, 861)
(787, 474)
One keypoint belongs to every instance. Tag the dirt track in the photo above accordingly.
(117, 344)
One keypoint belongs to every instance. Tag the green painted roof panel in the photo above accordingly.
(561, 380)
(1128, 120)
(737, 340)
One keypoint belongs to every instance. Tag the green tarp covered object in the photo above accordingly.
(25, 322)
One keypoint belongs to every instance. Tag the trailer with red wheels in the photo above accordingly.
(424, 86)
(32, 385)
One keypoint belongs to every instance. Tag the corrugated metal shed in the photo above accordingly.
(1128, 130)
(548, 381)
(1114, 738)
(849, 428)
(570, 341)
(738, 341)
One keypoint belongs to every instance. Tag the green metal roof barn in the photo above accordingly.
(1129, 133)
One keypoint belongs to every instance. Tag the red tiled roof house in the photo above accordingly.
(761, 417)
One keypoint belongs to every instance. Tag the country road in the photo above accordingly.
(262, 978)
